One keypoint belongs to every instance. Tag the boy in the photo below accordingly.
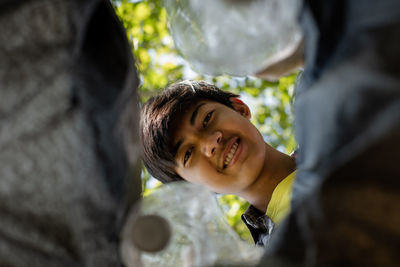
(196, 132)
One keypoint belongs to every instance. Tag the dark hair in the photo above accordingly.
(157, 116)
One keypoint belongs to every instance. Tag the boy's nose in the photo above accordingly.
(210, 143)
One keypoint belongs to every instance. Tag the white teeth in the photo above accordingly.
(230, 154)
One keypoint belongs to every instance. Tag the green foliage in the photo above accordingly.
(159, 64)
(146, 26)
(233, 207)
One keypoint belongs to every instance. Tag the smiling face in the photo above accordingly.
(218, 146)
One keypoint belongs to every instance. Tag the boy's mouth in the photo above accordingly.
(231, 153)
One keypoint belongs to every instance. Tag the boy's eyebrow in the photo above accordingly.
(195, 112)
(176, 147)
(192, 121)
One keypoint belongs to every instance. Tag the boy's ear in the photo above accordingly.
(240, 107)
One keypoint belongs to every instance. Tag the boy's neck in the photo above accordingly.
(279, 166)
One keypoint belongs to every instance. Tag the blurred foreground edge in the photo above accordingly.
(346, 196)
(68, 137)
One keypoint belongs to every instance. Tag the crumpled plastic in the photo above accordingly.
(234, 37)
(199, 233)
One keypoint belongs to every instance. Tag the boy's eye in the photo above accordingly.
(207, 119)
(187, 155)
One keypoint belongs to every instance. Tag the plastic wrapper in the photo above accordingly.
(234, 37)
(200, 235)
